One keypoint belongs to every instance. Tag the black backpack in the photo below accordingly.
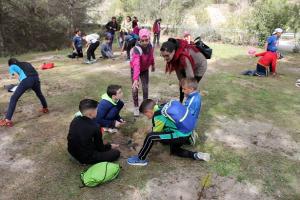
(205, 50)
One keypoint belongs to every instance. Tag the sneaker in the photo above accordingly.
(110, 130)
(6, 123)
(88, 62)
(134, 160)
(44, 110)
(93, 60)
(136, 112)
(202, 156)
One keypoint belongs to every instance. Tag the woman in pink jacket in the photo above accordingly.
(141, 59)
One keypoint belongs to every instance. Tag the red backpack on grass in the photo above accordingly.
(47, 66)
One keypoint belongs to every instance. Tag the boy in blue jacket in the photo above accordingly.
(193, 97)
(193, 101)
(108, 111)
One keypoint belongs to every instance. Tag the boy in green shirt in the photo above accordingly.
(164, 130)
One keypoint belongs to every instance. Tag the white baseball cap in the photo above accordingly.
(277, 30)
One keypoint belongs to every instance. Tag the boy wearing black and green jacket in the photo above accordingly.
(164, 130)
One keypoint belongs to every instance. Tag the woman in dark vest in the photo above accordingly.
(29, 79)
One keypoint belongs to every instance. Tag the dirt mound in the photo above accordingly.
(255, 135)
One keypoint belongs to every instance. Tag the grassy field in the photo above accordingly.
(250, 126)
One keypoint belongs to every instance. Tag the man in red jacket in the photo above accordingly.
(266, 63)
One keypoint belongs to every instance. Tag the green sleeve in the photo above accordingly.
(159, 123)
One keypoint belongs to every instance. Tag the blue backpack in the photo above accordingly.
(180, 115)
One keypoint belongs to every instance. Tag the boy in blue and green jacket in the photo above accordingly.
(164, 130)
(108, 111)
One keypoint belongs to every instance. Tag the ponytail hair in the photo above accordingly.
(170, 46)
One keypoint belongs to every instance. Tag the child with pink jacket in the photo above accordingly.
(141, 59)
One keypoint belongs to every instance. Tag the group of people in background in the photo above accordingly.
(128, 35)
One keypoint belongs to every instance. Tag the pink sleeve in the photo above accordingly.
(135, 64)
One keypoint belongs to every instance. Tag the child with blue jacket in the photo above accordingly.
(108, 111)
(193, 97)
(192, 102)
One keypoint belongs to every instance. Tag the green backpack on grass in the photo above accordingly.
(99, 173)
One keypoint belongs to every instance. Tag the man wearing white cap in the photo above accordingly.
(272, 41)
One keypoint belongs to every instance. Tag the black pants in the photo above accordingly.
(261, 70)
(175, 145)
(31, 82)
(91, 50)
(79, 52)
(106, 156)
(198, 78)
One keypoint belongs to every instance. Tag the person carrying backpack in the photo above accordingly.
(29, 79)
(172, 125)
(185, 59)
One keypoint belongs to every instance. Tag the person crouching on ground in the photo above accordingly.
(105, 49)
(193, 101)
(92, 44)
(164, 130)
(29, 79)
(85, 141)
(77, 44)
(108, 112)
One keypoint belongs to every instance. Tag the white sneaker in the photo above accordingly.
(93, 60)
(136, 112)
(110, 130)
(88, 62)
(202, 156)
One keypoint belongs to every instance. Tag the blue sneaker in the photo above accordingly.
(134, 160)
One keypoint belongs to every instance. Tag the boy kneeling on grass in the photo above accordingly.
(164, 130)
(109, 108)
(85, 138)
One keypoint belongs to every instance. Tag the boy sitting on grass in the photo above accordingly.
(108, 114)
(85, 138)
(164, 130)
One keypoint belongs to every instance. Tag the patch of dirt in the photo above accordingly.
(255, 135)
(186, 186)
(9, 160)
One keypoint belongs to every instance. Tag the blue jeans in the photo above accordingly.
(31, 82)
